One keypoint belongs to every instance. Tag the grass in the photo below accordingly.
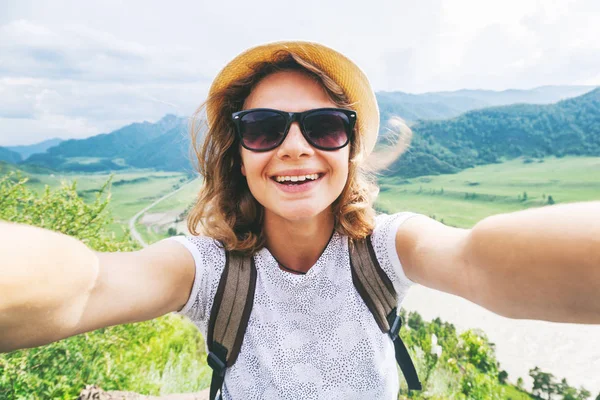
(149, 234)
(180, 200)
(513, 393)
(131, 191)
(459, 200)
(465, 198)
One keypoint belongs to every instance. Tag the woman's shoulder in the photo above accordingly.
(200, 246)
(209, 257)
(388, 224)
(383, 240)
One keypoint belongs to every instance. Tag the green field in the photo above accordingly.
(148, 233)
(180, 200)
(131, 190)
(463, 199)
(460, 199)
(468, 196)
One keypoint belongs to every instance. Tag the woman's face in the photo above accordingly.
(295, 92)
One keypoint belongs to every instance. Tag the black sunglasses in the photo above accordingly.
(263, 129)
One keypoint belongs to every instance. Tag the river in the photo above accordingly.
(570, 351)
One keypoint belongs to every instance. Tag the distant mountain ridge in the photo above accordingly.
(26, 150)
(569, 127)
(9, 156)
(439, 146)
(130, 146)
(443, 105)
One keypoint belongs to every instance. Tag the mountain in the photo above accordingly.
(442, 105)
(170, 151)
(123, 148)
(27, 150)
(539, 95)
(569, 127)
(9, 156)
(473, 137)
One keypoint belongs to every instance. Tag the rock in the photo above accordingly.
(93, 392)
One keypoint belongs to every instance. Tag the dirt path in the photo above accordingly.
(136, 235)
(93, 392)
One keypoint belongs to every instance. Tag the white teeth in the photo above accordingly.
(299, 178)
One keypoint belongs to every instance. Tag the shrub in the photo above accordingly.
(155, 357)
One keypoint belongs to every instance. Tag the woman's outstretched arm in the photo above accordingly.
(541, 263)
(53, 286)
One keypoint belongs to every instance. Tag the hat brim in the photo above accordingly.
(338, 67)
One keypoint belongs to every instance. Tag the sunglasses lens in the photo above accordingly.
(327, 129)
(262, 130)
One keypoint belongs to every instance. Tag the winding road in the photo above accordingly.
(136, 235)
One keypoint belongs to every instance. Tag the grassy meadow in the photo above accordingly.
(174, 205)
(180, 200)
(131, 191)
(463, 199)
(460, 199)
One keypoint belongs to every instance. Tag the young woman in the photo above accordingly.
(291, 129)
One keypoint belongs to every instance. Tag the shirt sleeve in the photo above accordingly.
(384, 244)
(209, 259)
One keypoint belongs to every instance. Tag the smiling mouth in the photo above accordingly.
(297, 180)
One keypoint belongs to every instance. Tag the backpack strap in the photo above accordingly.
(378, 293)
(229, 316)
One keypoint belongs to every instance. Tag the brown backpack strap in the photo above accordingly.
(229, 316)
(378, 293)
(372, 283)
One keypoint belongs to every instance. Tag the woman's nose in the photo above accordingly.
(295, 145)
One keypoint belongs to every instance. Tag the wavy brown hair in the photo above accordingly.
(225, 209)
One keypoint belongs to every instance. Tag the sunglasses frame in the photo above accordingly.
(290, 118)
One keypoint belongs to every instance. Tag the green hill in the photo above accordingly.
(170, 151)
(569, 127)
(443, 105)
(27, 150)
(129, 146)
(9, 155)
(478, 137)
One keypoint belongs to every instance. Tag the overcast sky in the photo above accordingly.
(72, 69)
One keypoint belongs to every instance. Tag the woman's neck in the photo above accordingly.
(298, 244)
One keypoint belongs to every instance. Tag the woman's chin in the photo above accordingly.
(300, 213)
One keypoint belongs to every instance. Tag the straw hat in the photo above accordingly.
(338, 67)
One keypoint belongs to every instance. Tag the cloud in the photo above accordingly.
(74, 81)
(77, 52)
(71, 109)
(70, 68)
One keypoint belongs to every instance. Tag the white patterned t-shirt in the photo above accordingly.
(309, 336)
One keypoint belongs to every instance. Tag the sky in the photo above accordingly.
(74, 69)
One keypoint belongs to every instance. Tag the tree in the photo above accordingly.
(583, 394)
(502, 377)
(550, 200)
(544, 385)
